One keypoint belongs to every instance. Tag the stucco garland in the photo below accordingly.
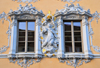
(3, 17)
(70, 1)
(25, 1)
(96, 17)
(25, 62)
(75, 62)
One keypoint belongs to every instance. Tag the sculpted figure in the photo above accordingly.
(26, 8)
(20, 7)
(49, 42)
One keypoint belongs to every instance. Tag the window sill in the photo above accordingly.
(76, 55)
(22, 55)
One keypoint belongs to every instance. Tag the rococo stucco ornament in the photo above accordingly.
(25, 62)
(29, 9)
(3, 17)
(49, 31)
(25, 1)
(96, 17)
(70, 1)
(28, 1)
(73, 9)
(49, 35)
(75, 61)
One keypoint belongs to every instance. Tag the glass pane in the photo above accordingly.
(22, 38)
(30, 47)
(30, 33)
(21, 47)
(30, 36)
(68, 34)
(77, 26)
(68, 46)
(22, 26)
(67, 26)
(31, 26)
(68, 38)
(78, 47)
(77, 36)
(21, 33)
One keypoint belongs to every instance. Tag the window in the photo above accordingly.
(73, 42)
(26, 35)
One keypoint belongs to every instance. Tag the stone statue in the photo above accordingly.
(49, 42)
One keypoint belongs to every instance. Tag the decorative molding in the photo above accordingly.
(3, 17)
(24, 62)
(70, 1)
(73, 10)
(60, 20)
(38, 50)
(96, 17)
(3, 49)
(85, 21)
(38, 21)
(94, 56)
(26, 1)
(3, 55)
(74, 62)
(24, 10)
(72, 17)
(96, 48)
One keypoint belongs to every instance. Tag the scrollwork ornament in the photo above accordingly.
(38, 21)
(25, 1)
(85, 21)
(96, 17)
(3, 49)
(3, 17)
(60, 21)
(14, 21)
(28, 8)
(25, 62)
(70, 1)
(75, 62)
(96, 48)
(72, 9)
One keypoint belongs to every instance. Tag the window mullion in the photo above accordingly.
(26, 36)
(72, 29)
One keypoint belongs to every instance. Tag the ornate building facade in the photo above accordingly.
(49, 34)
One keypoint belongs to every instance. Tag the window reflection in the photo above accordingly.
(72, 36)
(78, 47)
(31, 26)
(21, 47)
(77, 36)
(30, 46)
(22, 26)
(67, 26)
(76, 26)
(26, 35)
(68, 46)
(68, 36)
